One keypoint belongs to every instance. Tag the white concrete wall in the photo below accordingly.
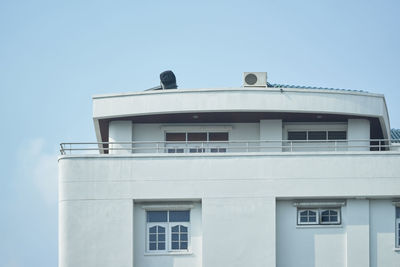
(97, 192)
(358, 129)
(357, 232)
(120, 131)
(240, 99)
(143, 259)
(382, 234)
(239, 231)
(305, 246)
(271, 130)
(96, 233)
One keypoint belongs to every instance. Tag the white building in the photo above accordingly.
(256, 176)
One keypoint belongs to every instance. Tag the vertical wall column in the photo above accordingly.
(358, 129)
(120, 131)
(239, 232)
(357, 228)
(271, 130)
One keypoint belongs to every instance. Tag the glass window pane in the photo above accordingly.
(312, 219)
(184, 237)
(184, 245)
(156, 216)
(334, 218)
(153, 237)
(197, 136)
(161, 237)
(183, 229)
(161, 229)
(153, 229)
(398, 212)
(175, 229)
(175, 245)
(152, 246)
(337, 135)
(317, 135)
(325, 212)
(303, 219)
(161, 246)
(175, 237)
(304, 213)
(310, 212)
(297, 135)
(218, 136)
(179, 216)
(179, 150)
(325, 218)
(175, 137)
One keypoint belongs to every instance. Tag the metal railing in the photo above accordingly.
(238, 146)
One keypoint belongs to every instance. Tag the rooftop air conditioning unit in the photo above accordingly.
(255, 79)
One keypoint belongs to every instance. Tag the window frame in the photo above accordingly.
(186, 146)
(319, 216)
(397, 233)
(168, 232)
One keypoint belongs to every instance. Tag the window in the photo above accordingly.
(168, 231)
(397, 236)
(318, 216)
(196, 142)
(316, 135)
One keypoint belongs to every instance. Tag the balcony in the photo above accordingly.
(233, 146)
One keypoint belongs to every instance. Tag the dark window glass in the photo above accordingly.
(152, 246)
(179, 216)
(184, 245)
(316, 135)
(297, 135)
(175, 245)
(398, 212)
(153, 237)
(337, 135)
(175, 237)
(175, 137)
(161, 246)
(197, 136)
(218, 136)
(157, 216)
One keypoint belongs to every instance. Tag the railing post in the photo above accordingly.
(291, 146)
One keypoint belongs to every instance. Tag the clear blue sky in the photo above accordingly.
(54, 55)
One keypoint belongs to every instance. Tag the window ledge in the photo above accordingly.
(320, 226)
(396, 249)
(168, 253)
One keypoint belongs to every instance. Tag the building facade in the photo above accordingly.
(261, 175)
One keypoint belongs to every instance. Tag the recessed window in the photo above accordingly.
(168, 231)
(318, 216)
(297, 135)
(337, 135)
(196, 142)
(316, 135)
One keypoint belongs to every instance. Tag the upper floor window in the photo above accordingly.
(196, 142)
(317, 135)
(168, 230)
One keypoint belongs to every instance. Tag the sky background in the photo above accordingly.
(55, 55)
